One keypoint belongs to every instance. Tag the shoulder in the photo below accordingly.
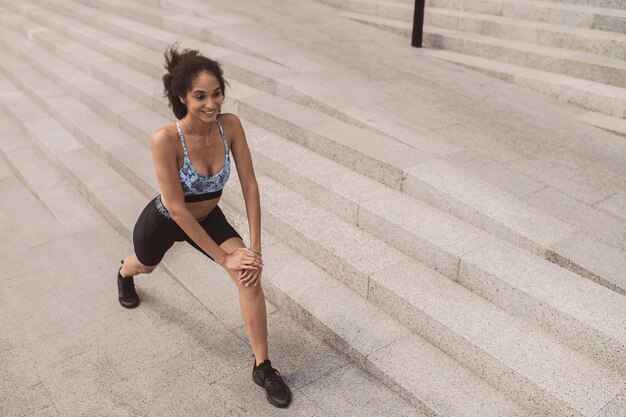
(231, 124)
(165, 137)
(233, 130)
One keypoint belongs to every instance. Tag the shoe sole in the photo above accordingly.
(129, 306)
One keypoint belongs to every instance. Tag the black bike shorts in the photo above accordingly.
(155, 232)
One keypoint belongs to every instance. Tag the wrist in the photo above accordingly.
(221, 259)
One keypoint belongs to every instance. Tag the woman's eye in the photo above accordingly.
(216, 94)
(199, 97)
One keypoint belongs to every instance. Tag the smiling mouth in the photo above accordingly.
(209, 112)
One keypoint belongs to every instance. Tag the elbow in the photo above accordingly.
(176, 211)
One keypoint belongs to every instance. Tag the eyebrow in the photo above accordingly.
(201, 91)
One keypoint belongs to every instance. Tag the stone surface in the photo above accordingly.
(587, 316)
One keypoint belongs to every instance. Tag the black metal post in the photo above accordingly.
(418, 23)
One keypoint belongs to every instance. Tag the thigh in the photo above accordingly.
(218, 229)
(153, 235)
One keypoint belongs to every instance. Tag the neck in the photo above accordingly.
(198, 126)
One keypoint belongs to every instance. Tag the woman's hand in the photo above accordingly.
(242, 260)
(251, 277)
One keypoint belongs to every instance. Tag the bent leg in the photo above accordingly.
(252, 305)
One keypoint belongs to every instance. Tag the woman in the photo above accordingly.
(192, 164)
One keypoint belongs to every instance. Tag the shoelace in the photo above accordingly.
(273, 378)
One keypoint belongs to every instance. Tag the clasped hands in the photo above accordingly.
(248, 263)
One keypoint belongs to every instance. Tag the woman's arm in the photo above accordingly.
(166, 168)
(247, 178)
(250, 188)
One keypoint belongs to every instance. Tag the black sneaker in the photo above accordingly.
(276, 391)
(127, 295)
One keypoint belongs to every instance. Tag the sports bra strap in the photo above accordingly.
(219, 125)
(182, 138)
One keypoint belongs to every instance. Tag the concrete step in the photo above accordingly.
(593, 96)
(370, 337)
(558, 35)
(590, 17)
(562, 61)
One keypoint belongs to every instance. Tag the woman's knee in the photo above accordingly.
(145, 269)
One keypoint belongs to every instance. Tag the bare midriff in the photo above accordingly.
(198, 209)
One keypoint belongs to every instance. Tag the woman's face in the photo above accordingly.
(205, 98)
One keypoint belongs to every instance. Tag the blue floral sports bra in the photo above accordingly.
(198, 187)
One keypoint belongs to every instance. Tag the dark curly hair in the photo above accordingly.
(182, 69)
